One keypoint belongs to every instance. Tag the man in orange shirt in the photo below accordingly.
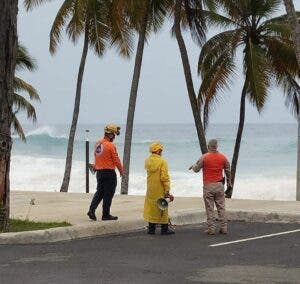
(106, 160)
(213, 163)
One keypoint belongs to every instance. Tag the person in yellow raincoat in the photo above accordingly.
(158, 186)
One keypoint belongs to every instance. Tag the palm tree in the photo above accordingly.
(145, 16)
(8, 51)
(268, 56)
(190, 13)
(292, 16)
(24, 61)
(102, 24)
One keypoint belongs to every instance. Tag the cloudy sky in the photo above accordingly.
(162, 96)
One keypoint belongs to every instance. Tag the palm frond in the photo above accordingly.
(121, 33)
(21, 85)
(158, 13)
(214, 47)
(264, 9)
(21, 104)
(60, 20)
(196, 21)
(282, 19)
(16, 125)
(24, 60)
(234, 10)
(278, 28)
(258, 72)
(217, 78)
(79, 19)
(30, 4)
(292, 93)
(210, 5)
(218, 20)
(282, 55)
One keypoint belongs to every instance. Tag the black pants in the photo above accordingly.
(106, 187)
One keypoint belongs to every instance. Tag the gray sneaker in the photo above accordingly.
(223, 231)
(210, 231)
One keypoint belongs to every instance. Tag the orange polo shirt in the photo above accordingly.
(213, 165)
(106, 156)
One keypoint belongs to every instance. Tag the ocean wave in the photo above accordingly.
(45, 174)
(45, 131)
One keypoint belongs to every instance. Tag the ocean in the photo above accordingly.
(266, 167)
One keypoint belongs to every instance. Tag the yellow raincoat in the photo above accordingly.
(158, 183)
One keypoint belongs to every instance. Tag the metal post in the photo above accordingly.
(298, 155)
(87, 157)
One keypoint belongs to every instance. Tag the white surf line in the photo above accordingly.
(255, 238)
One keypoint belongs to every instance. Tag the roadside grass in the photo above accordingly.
(18, 225)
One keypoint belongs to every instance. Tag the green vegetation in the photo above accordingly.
(18, 225)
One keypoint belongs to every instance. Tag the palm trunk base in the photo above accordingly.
(64, 189)
(65, 184)
(124, 186)
(3, 219)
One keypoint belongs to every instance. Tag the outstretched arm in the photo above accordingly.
(197, 166)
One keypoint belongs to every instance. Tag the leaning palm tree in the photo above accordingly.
(102, 24)
(145, 16)
(295, 25)
(268, 57)
(19, 102)
(191, 14)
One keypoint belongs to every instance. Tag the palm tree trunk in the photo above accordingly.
(68, 166)
(298, 156)
(238, 137)
(188, 78)
(8, 51)
(132, 100)
(290, 9)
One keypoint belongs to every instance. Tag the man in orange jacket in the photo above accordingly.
(106, 160)
(213, 163)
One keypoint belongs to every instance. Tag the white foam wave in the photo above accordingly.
(45, 130)
(45, 174)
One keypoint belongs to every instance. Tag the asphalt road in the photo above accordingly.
(186, 257)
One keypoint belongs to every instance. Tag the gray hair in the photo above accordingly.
(213, 144)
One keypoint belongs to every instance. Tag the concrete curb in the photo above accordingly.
(180, 217)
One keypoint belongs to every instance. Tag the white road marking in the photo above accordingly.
(255, 238)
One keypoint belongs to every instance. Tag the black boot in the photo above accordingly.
(109, 218)
(92, 215)
(165, 230)
(151, 229)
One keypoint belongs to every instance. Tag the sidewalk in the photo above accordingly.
(72, 207)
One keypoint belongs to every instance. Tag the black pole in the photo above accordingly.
(87, 156)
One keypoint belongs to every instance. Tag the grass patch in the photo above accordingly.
(17, 225)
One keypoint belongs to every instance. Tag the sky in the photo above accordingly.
(162, 94)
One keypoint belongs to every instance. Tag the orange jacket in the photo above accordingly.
(213, 163)
(106, 156)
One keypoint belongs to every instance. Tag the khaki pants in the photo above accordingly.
(213, 193)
